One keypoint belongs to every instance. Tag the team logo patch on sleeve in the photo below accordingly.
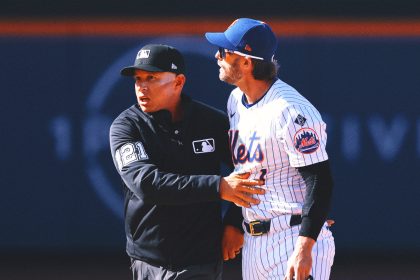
(300, 120)
(306, 141)
(204, 146)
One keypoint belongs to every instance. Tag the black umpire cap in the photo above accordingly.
(157, 58)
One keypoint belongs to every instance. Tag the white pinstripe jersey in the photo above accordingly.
(269, 139)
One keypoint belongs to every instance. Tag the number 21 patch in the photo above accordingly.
(129, 153)
(306, 141)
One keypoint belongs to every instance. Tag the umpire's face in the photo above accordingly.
(158, 90)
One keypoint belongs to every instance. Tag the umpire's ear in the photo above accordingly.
(180, 80)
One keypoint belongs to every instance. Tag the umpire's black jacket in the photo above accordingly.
(172, 214)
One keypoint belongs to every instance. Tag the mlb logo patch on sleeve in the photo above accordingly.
(204, 146)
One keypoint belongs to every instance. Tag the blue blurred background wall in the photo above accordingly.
(61, 90)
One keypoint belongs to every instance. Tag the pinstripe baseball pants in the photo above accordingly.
(265, 257)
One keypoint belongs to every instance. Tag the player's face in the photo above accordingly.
(155, 90)
(230, 71)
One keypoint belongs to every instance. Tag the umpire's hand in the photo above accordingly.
(232, 242)
(238, 189)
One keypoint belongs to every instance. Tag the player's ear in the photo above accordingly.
(247, 63)
(247, 60)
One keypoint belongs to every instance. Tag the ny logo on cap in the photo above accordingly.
(173, 66)
(143, 54)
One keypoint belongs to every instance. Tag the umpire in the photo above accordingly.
(168, 149)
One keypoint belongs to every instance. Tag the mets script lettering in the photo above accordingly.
(241, 153)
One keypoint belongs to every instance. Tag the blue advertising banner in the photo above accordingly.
(60, 190)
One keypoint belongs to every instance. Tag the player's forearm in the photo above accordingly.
(318, 198)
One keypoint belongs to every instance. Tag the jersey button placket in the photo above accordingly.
(178, 137)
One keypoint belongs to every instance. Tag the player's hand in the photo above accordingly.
(300, 263)
(232, 242)
(238, 189)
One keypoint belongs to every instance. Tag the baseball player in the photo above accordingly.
(277, 136)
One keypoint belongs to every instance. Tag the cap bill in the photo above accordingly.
(129, 71)
(220, 40)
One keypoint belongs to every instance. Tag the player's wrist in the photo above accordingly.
(304, 244)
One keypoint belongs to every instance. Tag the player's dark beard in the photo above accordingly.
(233, 74)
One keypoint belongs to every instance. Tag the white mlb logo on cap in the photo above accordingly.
(143, 54)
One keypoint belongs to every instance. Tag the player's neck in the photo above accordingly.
(254, 89)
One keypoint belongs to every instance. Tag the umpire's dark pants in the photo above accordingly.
(144, 271)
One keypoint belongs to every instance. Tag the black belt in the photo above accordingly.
(256, 228)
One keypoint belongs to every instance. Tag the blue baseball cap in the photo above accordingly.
(246, 36)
